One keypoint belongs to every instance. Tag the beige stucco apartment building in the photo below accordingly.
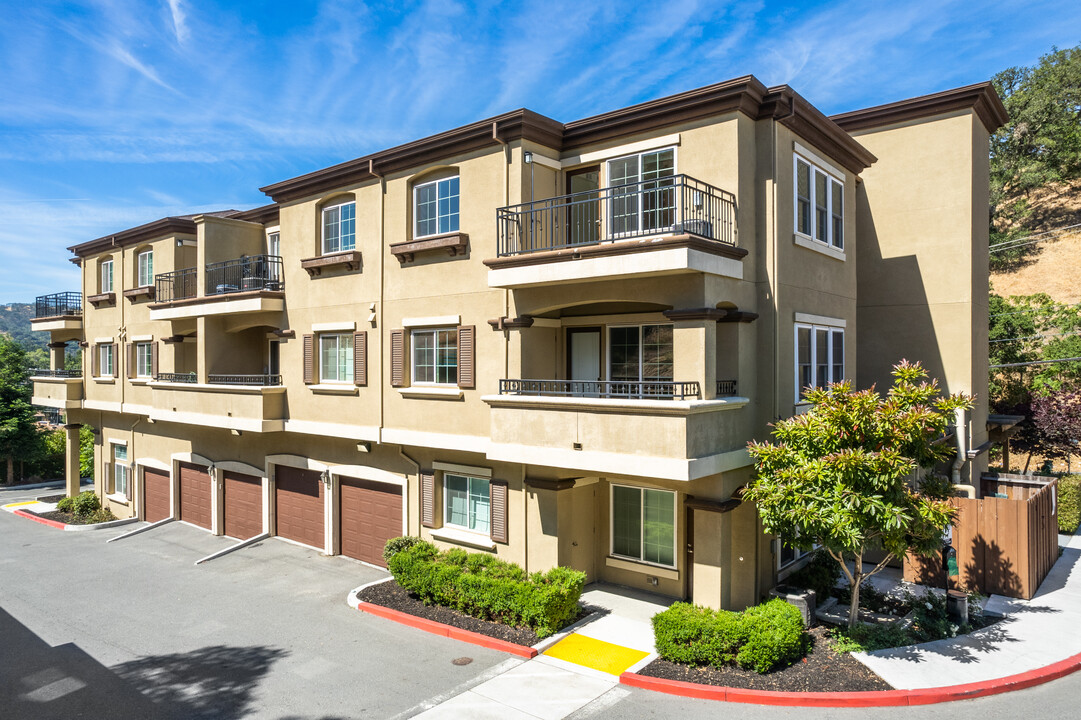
(547, 341)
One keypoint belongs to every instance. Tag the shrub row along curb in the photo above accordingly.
(437, 628)
(878, 698)
(74, 528)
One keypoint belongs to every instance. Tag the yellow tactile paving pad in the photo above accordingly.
(596, 654)
(20, 504)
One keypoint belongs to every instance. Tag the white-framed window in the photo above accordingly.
(649, 201)
(106, 276)
(143, 360)
(467, 503)
(146, 268)
(435, 206)
(820, 212)
(105, 360)
(336, 358)
(120, 469)
(787, 554)
(274, 243)
(339, 227)
(820, 357)
(434, 354)
(640, 353)
(644, 524)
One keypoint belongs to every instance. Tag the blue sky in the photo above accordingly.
(117, 112)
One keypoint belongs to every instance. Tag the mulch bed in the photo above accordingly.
(390, 594)
(823, 670)
(52, 498)
(66, 518)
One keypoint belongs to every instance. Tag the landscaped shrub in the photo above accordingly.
(66, 505)
(102, 515)
(820, 574)
(489, 588)
(763, 637)
(397, 544)
(85, 504)
(1069, 503)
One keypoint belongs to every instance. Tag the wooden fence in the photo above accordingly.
(1005, 545)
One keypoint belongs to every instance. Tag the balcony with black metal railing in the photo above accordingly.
(683, 224)
(250, 283)
(58, 311)
(241, 402)
(59, 388)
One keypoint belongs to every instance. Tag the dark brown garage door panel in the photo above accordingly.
(371, 514)
(243, 505)
(156, 491)
(195, 495)
(298, 497)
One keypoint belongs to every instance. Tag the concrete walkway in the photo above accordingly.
(573, 671)
(1035, 633)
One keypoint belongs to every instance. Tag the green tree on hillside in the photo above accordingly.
(19, 435)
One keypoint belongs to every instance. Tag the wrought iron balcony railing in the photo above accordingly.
(176, 285)
(252, 272)
(645, 389)
(58, 305)
(187, 378)
(46, 372)
(257, 380)
(726, 388)
(674, 204)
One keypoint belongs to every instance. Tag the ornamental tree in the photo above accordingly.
(1057, 415)
(841, 475)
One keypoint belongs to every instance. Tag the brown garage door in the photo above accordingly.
(195, 495)
(157, 488)
(371, 514)
(298, 499)
(243, 505)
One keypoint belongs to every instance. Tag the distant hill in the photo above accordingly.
(15, 323)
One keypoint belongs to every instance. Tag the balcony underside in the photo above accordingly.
(65, 393)
(671, 254)
(233, 303)
(242, 408)
(62, 323)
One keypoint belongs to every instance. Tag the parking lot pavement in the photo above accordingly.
(134, 626)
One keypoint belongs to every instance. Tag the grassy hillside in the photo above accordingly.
(15, 322)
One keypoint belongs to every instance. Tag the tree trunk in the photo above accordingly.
(11, 469)
(857, 578)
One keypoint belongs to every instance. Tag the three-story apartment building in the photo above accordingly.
(547, 341)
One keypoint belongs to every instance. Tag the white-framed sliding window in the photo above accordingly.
(143, 360)
(434, 353)
(643, 525)
(641, 354)
(120, 469)
(146, 268)
(339, 227)
(820, 357)
(467, 503)
(106, 276)
(336, 358)
(435, 207)
(648, 202)
(105, 360)
(819, 204)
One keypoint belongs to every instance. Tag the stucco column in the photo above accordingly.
(57, 359)
(694, 349)
(712, 559)
(71, 459)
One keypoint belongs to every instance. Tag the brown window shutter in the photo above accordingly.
(95, 360)
(107, 481)
(427, 498)
(154, 360)
(309, 359)
(130, 360)
(360, 358)
(397, 358)
(466, 374)
(498, 496)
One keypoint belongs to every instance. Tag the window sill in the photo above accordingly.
(441, 393)
(117, 498)
(143, 291)
(105, 298)
(455, 243)
(638, 566)
(350, 260)
(105, 380)
(818, 247)
(334, 389)
(464, 537)
(139, 381)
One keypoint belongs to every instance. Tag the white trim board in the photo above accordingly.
(809, 319)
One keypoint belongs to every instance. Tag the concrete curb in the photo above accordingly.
(352, 598)
(878, 698)
(453, 633)
(38, 486)
(74, 528)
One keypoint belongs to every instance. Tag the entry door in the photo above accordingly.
(583, 215)
(584, 360)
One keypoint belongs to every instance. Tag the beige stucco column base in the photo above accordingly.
(71, 459)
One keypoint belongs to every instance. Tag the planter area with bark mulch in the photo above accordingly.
(391, 595)
(66, 518)
(822, 670)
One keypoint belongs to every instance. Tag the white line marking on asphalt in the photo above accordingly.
(485, 676)
(604, 702)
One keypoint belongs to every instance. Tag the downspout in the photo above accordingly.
(962, 455)
(382, 288)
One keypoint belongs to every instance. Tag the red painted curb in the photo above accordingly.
(43, 521)
(876, 698)
(454, 633)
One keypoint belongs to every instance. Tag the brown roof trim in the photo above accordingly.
(179, 225)
(789, 108)
(514, 125)
(264, 215)
(981, 98)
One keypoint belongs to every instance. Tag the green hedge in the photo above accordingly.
(763, 637)
(488, 588)
(1069, 503)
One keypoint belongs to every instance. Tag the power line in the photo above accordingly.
(1033, 362)
(1029, 239)
(1033, 337)
(1040, 309)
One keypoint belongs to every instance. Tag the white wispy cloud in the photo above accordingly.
(179, 16)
